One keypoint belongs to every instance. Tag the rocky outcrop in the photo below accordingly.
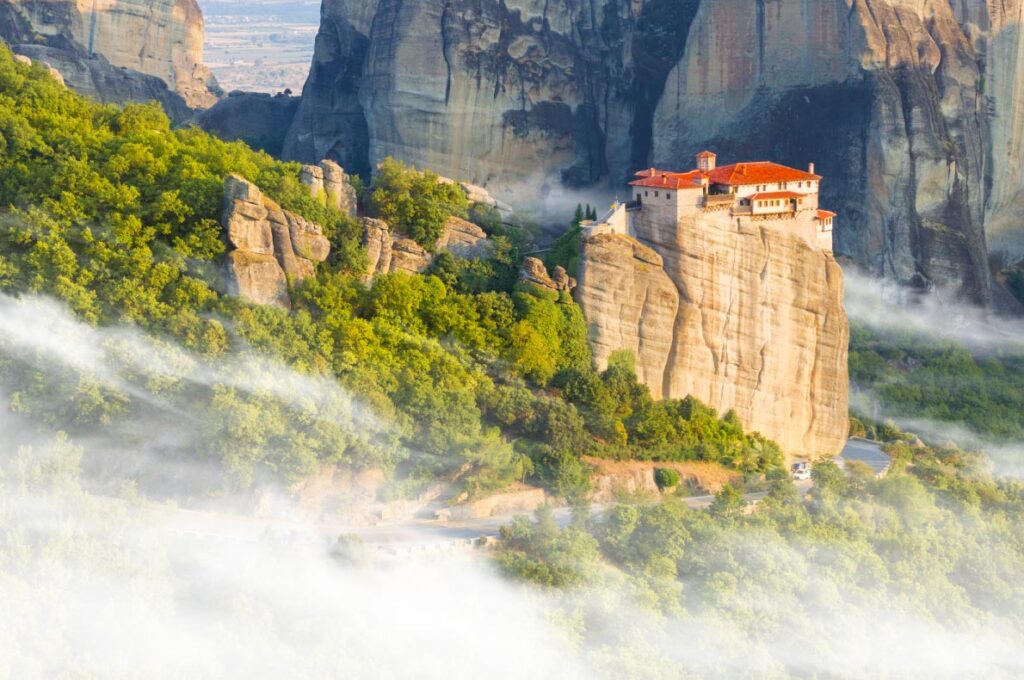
(377, 240)
(269, 245)
(914, 110)
(387, 252)
(98, 79)
(742, 317)
(329, 183)
(54, 73)
(533, 271)
(409, 257)
(162, 39)
(478, 195)
(258, 119)
(463, 239)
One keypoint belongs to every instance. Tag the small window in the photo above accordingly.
(668, 196)
(655, 194)
(647, 194)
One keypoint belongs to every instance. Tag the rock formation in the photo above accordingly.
(256, 118)
(162, 39)
(386, 253)
(329, 182)
(463, 239)
(98, 79)
(748, 318)
(913, 109)
(269, 245)
(54, 73)
(534, 271)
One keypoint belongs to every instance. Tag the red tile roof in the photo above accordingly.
(658, 179)
(737, 174)
(770, 195)
(825, 214)
(706, 154)
(761, 172)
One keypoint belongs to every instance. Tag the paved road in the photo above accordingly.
(868, 452)
(408, 535)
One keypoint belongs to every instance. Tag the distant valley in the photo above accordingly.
(261, 46)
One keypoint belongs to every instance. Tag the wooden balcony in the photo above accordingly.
(719, 200)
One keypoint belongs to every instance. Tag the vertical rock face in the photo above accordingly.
(744, 317)
(995, 30)
(270, 245)
(161, 38)
(915, 109)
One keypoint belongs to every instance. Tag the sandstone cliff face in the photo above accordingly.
(159, 38)
(270, 245)
(98, 79)
(914, 109)
(747, 318)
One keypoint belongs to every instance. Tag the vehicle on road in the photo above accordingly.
(801, 471)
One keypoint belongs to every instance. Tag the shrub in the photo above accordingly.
(666, 478)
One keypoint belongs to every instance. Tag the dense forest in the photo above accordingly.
(116, 214)
(847, 582)
(903, 374)
(161, 383)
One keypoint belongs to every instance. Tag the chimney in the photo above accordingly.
(706, 161)
(810, 168)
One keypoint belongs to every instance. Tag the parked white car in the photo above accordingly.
(801, 471)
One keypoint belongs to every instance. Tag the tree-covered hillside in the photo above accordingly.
(117, 214)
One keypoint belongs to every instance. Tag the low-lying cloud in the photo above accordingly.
(886, 307)
(95, 586)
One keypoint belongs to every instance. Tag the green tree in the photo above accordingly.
(415, 203)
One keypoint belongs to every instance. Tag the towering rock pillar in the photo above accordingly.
(739, 314)
(158, 38)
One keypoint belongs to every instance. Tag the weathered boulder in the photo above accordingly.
(329, 182)
(562, 279)
(463, 239)
(54, 73)
(409, 256)
(742, 317)
(533, 271)
(257, 278)
(389, 252)
(159, 38)
(339, 189)
(270, 245)
(378, 242)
